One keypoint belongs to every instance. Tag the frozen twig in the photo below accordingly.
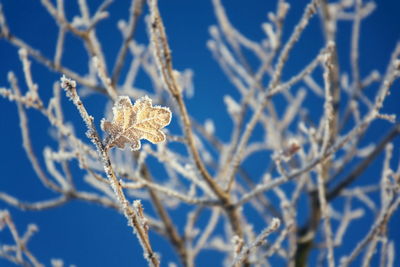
(26, 139)
(164, 60)
(41, 205)
(135, 11)
(237, 157)
(257, 242)
(134, 218)
(375, 230)
(18, 253)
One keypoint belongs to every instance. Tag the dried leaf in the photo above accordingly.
(134, 122)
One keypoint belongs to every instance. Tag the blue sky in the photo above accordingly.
(88, 235)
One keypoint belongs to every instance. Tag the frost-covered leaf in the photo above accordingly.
(134, 122)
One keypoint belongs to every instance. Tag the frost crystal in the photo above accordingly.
(134, 122)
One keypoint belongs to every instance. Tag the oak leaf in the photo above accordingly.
(134, 122)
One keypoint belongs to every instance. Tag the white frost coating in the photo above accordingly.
(283, 9)
(209, 126)
(121, 24)
(212, 45)
(214, 31)
(397, 63)
(65, 82)
(233, 107)
(57, 263)
(23, 52)
(185, 82)
(137, 204)
(267, 27)
(258, 242)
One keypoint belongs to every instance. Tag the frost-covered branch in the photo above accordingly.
(289, 153)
